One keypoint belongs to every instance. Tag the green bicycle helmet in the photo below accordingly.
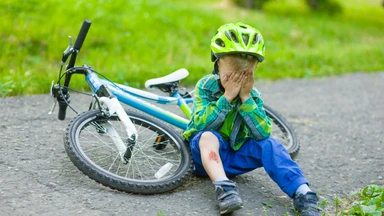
(237, 38)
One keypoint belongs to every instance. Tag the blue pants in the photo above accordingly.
(268, 153)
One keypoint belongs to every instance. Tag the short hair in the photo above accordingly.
(241, 61)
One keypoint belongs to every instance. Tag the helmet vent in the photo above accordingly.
(245, 38)
(234, 37)
(255, 39)
(220, 42)
(242, 26)
(227, 35)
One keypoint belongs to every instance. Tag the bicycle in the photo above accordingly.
(127, 150)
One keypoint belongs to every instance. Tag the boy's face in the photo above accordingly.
(226, 67)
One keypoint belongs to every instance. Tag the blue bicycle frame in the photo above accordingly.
(134, 97)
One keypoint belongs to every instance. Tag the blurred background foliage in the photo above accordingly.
(132, 41)
(323, 6)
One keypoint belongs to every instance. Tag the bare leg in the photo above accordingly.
(227, 194)
(210, 157)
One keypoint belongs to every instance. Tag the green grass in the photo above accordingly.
(367, 201)
(131, 41)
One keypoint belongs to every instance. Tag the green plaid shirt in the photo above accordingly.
(235, 121)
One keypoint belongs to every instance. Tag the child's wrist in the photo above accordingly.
(229, 98)
(244, 98)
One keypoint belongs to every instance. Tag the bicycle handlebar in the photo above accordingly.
(64, 98)
(83, 32)
(62, 111)
(63, 106)
(79, 42)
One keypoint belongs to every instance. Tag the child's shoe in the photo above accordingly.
(306, 204)
(227, 196)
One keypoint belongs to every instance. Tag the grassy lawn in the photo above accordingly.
(131, 41)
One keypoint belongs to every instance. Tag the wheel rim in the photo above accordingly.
(97, 148)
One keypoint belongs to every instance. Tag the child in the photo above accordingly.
(229, 130)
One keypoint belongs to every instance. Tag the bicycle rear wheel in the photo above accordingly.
(283, 131)
(89, 144)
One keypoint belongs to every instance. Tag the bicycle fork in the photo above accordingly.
(124, 149)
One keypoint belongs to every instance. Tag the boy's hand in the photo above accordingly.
(232, 84)
(246, 87)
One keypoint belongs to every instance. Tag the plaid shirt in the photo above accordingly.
(235, 121)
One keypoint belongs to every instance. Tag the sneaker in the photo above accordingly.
(306, 204)
(227, 196)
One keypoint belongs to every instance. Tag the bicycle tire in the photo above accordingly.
(91, 149)
(283, 132)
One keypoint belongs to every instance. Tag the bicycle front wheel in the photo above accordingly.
(159, 161)
(283, 131)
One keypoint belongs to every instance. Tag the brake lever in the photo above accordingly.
(52, 108)
(67, 51)
(54, 94)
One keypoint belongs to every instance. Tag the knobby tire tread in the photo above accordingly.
(294, 149)
(109, 181)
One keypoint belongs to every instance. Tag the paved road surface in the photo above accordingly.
(340, 122)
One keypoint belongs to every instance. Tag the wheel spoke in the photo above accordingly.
(91, 141)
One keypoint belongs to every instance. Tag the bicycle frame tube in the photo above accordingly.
(149, 108)
(134, 97)
(183, 105)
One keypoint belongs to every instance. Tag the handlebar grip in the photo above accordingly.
(62, 110)
(83, 32)
(63, 101)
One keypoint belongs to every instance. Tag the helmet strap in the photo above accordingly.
(215, 68)
(213, 56)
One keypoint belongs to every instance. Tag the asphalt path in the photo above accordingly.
(339, 120)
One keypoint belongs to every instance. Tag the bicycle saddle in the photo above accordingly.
(168, 81)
